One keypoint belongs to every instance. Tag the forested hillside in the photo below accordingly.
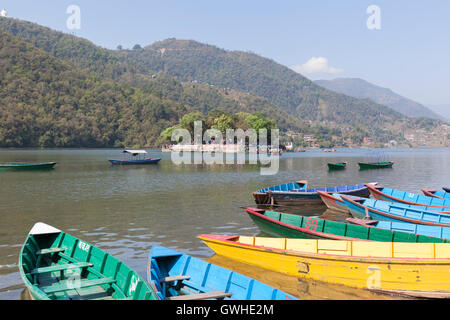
(58, 90)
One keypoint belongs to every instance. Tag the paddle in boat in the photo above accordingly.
(436, 194)
(57, 266)
(280, 224)
(135, 157)
(393, 195)
(375, 165)
(337, 166)
(383, 210)
(27, 166)
(177, 276)
(297, 193)
(415, 269)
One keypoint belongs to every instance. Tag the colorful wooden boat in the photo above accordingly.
(393, 195)
(297, 193)
(375, 165)
(57, 266)
(135, 157)
(431, 233)
(436, 194)
(27, 166)
(177, 276)
(280, 224)
(337, 166)
(334, 202)
(382, 210)
(417, 269)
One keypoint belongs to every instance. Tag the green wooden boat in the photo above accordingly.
(375, 165)
(284, 225)
(27, 166)
(57, 266)
(337, 166)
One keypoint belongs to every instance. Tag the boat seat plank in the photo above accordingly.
(175, 278)
(202, 296)
(61, 267)
(49, 251)
(81, 284)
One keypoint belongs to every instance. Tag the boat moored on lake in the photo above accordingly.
(414, 269)
(57, 266)
(19, 166)
(177, 276)
(393, 195)
(375, 165)
(382, 210)
(297, 193)
(134, 157)
(337, 166)
(279, 224)
(436, 193)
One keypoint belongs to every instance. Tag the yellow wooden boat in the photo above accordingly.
(414, 269)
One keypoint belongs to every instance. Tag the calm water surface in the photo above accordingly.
(127, 210)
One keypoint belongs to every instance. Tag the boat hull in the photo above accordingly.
(332, 202)
(436, 194)
(306, 197)
(197, 277)
(134, 162)
(334, 264)
(380, 165)
(401, 214)
(392, 195)
(336, 166)
(286, 225)
(27, 166)
(57, 266)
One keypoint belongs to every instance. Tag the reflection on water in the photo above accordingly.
(127, 210)
(303, 289)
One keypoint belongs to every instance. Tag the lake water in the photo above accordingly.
(127, 210)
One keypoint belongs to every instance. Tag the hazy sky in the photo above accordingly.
(319, 38)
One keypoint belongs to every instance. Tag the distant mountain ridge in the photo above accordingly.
(363, 89)
(156, 85)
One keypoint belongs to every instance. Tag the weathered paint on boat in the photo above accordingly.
(393, 195)
(432, 232)
(382, 210)
(286, 225)
(27, 166)
(420, 269)
(436, 194)
(375, 165)
(287, 194)
(177, 276)
(337, 166)
(57, 266)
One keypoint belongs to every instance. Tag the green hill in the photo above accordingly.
(127, 97)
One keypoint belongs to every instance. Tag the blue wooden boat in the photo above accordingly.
(177, 276)
(297, 193)
(335, 202)
(135, 157)
(385, 211)
(393, 195)
(413, 228)
(436, 194)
